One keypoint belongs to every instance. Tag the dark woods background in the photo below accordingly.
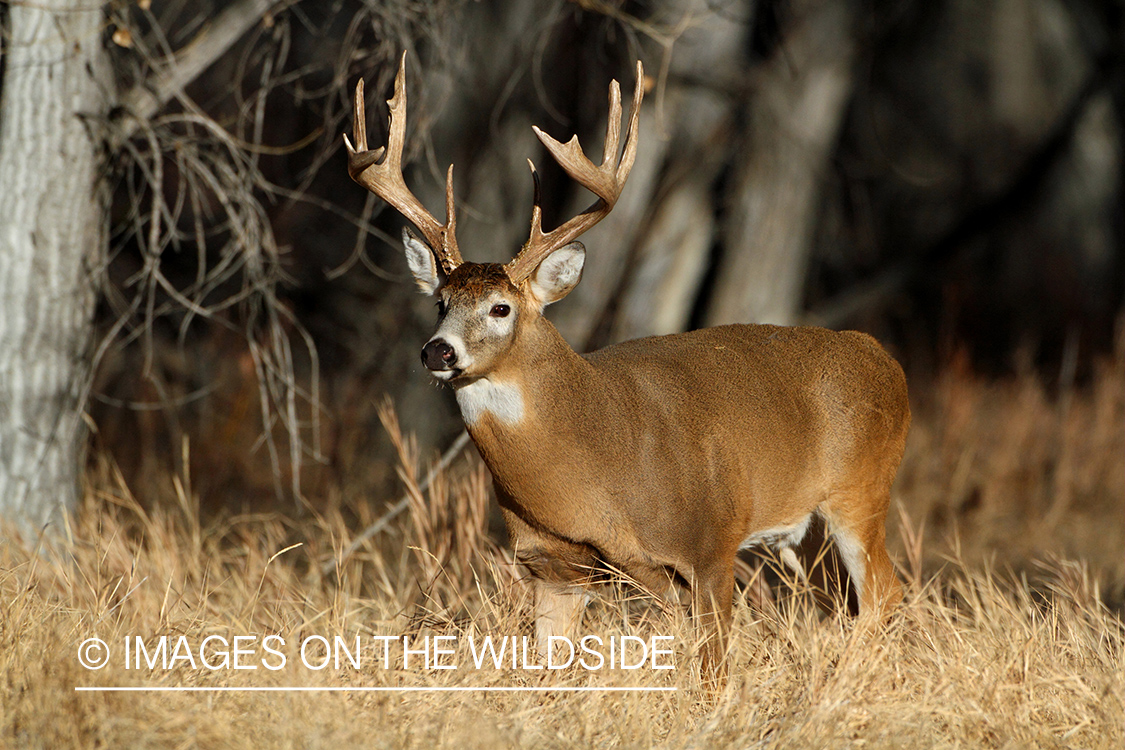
(945, 174)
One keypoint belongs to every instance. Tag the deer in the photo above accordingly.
(658, 458)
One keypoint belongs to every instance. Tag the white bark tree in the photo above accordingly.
(57, 91)
(53, 222)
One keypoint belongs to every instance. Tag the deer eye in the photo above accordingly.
(499, 311)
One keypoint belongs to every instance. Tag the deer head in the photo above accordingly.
(483, 307)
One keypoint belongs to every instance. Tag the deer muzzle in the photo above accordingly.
(438, 355)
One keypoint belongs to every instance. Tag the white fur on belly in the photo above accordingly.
(779, 537)
(503, 401)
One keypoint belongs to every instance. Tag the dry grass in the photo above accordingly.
(1010, 473)
(1010, 539)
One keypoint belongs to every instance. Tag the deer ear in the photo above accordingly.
(558, 273)
(423, 263)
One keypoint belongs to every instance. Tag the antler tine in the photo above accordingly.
(451, 221)
(633, 132)
(605, 181)
(613, 125)
(386, 181)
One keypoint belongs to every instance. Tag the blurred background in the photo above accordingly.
(943, 174)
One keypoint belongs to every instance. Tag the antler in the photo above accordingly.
(385, 180)
(605, 181)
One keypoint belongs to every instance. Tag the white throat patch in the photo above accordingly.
(503, 401)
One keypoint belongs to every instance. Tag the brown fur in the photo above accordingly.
(660, 456)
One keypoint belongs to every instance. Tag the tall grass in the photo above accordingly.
(1009, 537)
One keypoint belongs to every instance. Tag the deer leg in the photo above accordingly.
(557, 571)
(789, 557)
(558, 611)
(712, 592)
(858, 527)
(755, 588)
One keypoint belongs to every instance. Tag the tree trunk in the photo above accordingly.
(794, 119)
(56, 93)
(674, 247)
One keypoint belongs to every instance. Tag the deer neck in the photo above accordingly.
(523, 408)
(538, 369)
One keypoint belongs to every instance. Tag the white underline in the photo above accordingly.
(135, 689)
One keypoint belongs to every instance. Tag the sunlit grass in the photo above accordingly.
(1009, 538)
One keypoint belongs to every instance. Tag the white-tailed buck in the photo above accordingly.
(660, 457)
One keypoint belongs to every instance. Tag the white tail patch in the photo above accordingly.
(503, 401)
(854, 557)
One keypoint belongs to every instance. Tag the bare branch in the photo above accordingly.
(150, 96)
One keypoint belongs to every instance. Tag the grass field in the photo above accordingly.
(1009, 531)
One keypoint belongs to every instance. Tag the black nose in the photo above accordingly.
(438, 355)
